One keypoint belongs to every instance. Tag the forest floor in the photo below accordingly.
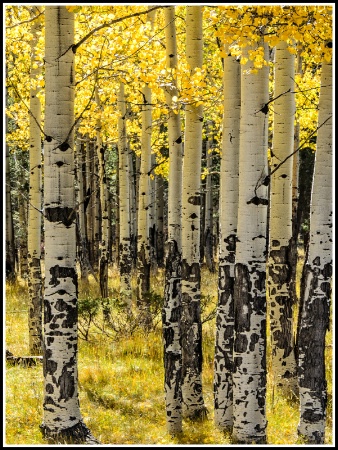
(121, 387)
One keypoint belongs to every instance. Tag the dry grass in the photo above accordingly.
(121, 384)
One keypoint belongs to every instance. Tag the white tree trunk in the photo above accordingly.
(34, 210)
(283, 364)
(124, 202)
(193, 402)
(318, 278)
(62, 418)
(171, 313)
(208, 217)
(249, 377)
(103, 194)
(228, 211)
(144, 201)
(143, 244)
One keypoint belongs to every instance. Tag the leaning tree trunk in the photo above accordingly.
(124, 203)
(228, 210)
(193, 402)
(62, 421)
(317, 278)
(34, 209)
(283, 364)
(171, 313)
(249, 377)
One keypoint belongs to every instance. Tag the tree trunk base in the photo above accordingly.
(198, 415)
(78, 434)
(259, 440)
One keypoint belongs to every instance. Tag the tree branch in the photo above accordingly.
(25, 21)
(105, 25)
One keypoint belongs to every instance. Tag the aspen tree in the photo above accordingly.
(103, 196)
(208, 216)
(228, 211)
(144, 199)
(34, 206)
(249, 375)
(280, 235)
(317, 278)
(171, 313)
(191, 329)
(62, 421)
(124, 201)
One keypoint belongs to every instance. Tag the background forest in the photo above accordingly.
(168, 224)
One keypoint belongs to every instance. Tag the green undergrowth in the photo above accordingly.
(121, 387)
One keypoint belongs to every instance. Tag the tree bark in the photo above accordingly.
(103, 196)
(280, 235)
(228, 212)
(317, 279)
(34, 210)
(62, 421)
(124, 203)
(191, 329)
(172, 307)
(249, 377)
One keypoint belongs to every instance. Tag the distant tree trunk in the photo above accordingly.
(249, 377)
(103, 194)
(172, 307)
(23, 220)
(317, 279)
(10, 245)
(159, 237)
(143, 244)
(208, 219)
(152, 213)
(124, 202)
(62, 421)
(82, 202)
(133, 189)
(34, 210)
(279, 264)
(93, 207)
(143, 238)
(228, 212)
(96, 211)
(191, 329)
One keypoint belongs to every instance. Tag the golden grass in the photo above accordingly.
(121, 387)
